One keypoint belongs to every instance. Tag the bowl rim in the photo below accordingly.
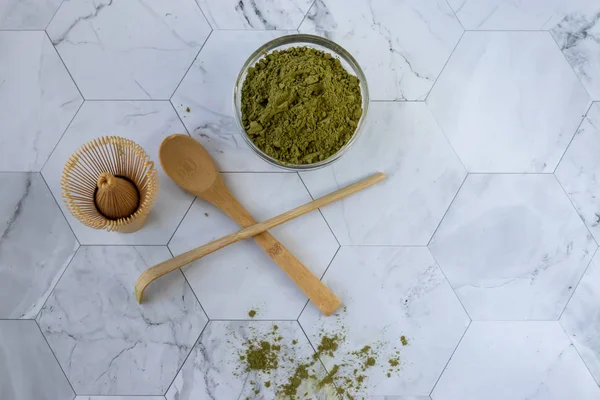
(299, 39)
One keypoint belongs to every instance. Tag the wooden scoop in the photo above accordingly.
(155, 272)
(192, 168)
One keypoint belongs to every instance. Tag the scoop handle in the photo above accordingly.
(316, 291)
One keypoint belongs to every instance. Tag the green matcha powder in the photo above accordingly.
(300, 106)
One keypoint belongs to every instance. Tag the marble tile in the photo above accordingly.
(515, 15)
(207, 92)
(240, 277)
(146, 123)
(581, 319)
(106, 342)
(508, 102)
(210, 372)
(388, 293)
(512, 247)
(531, 360)
(37, 100)
(36, 245)
(27, 14)
(28, 370)
(579, 170)
(254, 14)
(423, 175)
(578, 36)
(110, 57)
(402, 46)
(119, 398)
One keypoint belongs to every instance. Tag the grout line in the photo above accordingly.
(305, 15)
(192, 289)
(455, 16)
(193, 61)
(60, 209)
(180, 222)
(575, 209)
(63, 134)
(584, 117)
(447, 209)
(445, 64)
(55, 358)
(319, 209)
(578, 353)
(188, 356)
(64, 65)
(451, 287)
(180, 120)
(450, 359)
(54, 15)
(577, 285)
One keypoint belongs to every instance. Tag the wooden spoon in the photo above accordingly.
(155, 272)
(191, 167)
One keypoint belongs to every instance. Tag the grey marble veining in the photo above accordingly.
(28, 370)
(104, 340)
(36, 244)
(27, 14)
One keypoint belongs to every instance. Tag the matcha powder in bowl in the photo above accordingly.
(300, 101)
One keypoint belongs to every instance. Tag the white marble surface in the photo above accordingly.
(207, 91)
(254, 14)
(489, 156)
(516, 361)
(27, 14)
(424, 174)
(579, 170)
(400, 45)
(146, 123)
(581, 319)
(36, 244)
(104, 340)
(117, 49)
(211, 370)
(512, 247)
(516, 15)
(37, 100)
(28, 369)
(508, 102)
(253, 279)
(578, 36)
(389, 293)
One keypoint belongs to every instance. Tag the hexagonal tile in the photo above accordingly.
(252, 14)
(581, 318)
(578, 36)
(207, 92)
(210, 372)
(29, 370)
(514, 15)
(512, 247)
(36, 244)
(104, 340)
(531, 360)
(579, 168)
(404, 141)
(147, 123)
(401, 46)
(388, 293)
(233, 280)
(112, 58)
(18, 14)
(508, 102)
(37, 100)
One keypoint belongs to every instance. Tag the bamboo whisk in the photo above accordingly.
(110, 183)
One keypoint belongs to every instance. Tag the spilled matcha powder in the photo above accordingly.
(300, 105)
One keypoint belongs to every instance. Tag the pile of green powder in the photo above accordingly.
(300, 105)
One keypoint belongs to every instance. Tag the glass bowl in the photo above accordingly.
(299, 40)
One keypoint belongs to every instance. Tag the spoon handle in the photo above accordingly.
(318, 293)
